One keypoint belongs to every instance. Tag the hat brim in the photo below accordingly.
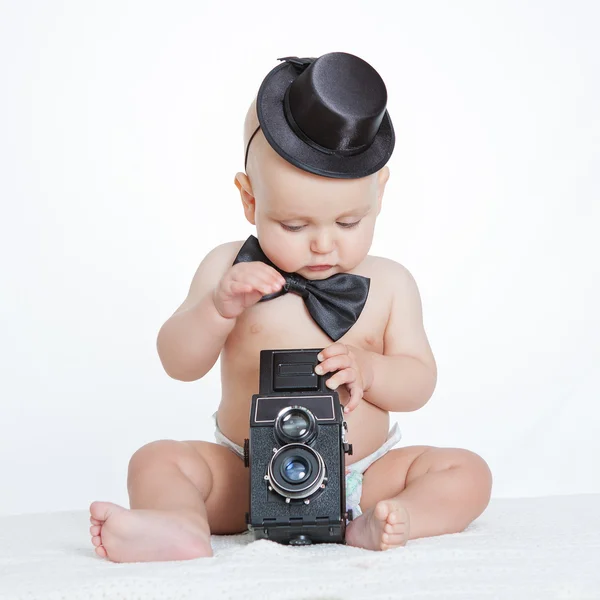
(281, 137)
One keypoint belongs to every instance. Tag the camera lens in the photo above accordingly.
(295, 424)
(295, 469)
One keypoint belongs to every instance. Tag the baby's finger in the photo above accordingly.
(274, 280)
(277, 276)
(356, 394)
(237, 287)
(253, 272)
(333, 350)
(335, 363)
(261, 282)
(344, 376)
(266, 272)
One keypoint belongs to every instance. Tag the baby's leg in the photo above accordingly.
(419, 491)
(178, 492)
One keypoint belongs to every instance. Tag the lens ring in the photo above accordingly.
(295, 424)
(304, 486)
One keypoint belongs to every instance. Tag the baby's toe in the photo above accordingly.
(397, 514)
(381, 511)
(95, 521)
(95, 530)
(97, 540)
(100, 551)
(101, 510)
(395, 528)
(389, 540)
(394, 517)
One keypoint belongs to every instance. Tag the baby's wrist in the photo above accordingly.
(364, 359)
(215, 304)
(368, 369)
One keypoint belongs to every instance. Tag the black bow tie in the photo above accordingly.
(334, 303)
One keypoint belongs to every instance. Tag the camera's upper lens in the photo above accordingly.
(295, 424)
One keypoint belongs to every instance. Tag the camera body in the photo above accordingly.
(296, 453)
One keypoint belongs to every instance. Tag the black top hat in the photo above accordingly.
(327, 115)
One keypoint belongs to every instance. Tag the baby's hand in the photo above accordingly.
(353, 369)
(243, 285)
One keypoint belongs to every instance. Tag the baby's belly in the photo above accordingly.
(368, 425)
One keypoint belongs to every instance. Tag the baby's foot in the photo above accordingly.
(141, 535)
(382, 527)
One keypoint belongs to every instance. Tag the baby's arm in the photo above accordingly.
(404, 376)
(191, 340)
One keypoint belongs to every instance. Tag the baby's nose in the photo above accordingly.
(323, 243)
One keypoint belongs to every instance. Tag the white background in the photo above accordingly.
(120, 135)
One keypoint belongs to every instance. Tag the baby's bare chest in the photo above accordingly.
(285, 322)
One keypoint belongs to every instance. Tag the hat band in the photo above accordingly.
(248, 146)
(298, 131)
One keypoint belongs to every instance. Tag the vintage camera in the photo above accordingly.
(296, 453)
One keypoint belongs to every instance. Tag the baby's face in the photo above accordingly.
(312, 225)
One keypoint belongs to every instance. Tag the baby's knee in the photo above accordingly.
(478, 465)
(153, 450)
(448, 458)
(159, 453)
(478, 473)
(163, 455)
(474, 471)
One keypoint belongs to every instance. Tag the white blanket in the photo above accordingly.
(522, 548)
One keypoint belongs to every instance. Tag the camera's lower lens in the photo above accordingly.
(296, 471)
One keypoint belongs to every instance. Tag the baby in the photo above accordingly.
(316, 146)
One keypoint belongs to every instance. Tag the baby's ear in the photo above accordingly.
(244, 186)
(382, 178)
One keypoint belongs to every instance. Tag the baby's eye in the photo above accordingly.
(292, 227)
(349, 225)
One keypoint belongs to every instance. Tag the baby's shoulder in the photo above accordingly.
(214, 265)
(385, 272)
(225, 250)
(221, 257)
